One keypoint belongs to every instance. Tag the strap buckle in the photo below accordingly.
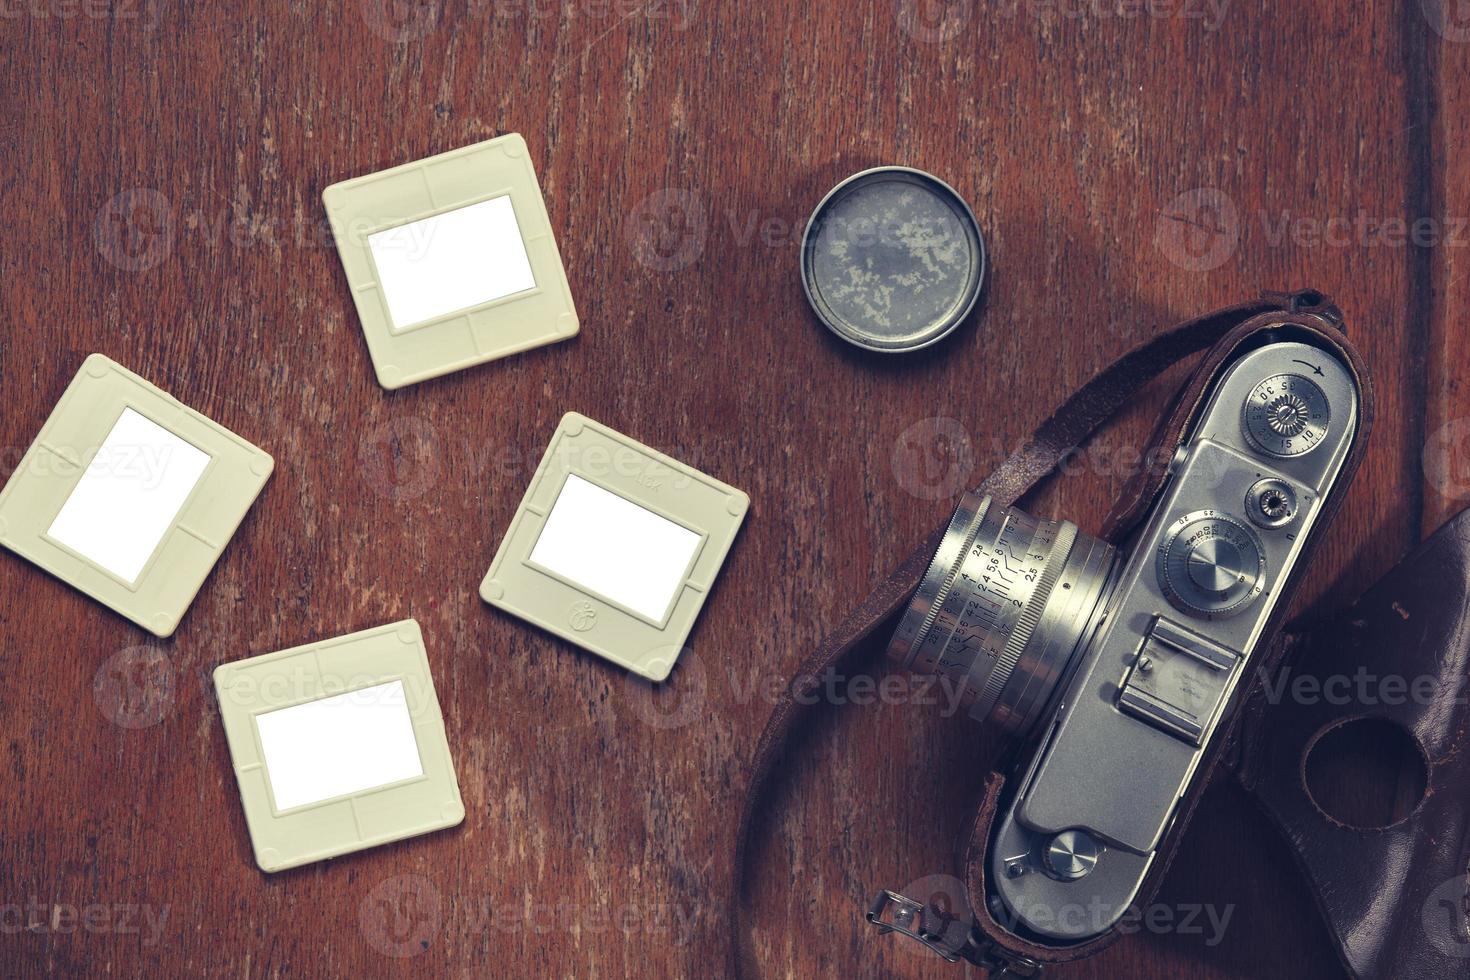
(951, 938)
(892, 912)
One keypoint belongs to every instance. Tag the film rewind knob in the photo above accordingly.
(1071, 855)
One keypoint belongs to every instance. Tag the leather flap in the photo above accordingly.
(1397, 898)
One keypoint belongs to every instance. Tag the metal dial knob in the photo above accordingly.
(1211, 565)
(1071, 855)
(1286, 415)
(1271, 503)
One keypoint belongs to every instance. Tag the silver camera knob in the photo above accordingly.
(1071, 855)
(1287, 415)
(1271, 503)
(1211, 565)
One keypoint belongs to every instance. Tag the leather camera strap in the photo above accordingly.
(1078, 419)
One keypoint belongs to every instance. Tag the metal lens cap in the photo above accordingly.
(892, 259)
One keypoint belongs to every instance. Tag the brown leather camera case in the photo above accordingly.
(1396, 898)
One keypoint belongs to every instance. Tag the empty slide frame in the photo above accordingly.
(451, 261)
(338, 746)
(129, 496)
(615, 547)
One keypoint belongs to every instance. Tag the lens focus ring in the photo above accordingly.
(1030, 618)
(1002, 609)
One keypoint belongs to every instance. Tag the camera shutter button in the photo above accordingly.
(1271, 503)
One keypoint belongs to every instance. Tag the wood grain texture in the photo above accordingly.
(161, 178)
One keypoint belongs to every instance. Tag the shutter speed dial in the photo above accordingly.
(1287, 415)
(1211, 565)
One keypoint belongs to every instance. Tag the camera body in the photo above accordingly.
(1112, 668)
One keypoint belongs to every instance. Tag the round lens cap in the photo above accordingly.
(892, 259)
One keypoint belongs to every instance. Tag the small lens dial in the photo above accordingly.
(1287, 415)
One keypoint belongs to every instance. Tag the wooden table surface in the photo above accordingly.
(1131, 165)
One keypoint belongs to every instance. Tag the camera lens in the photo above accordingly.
(1004, 608)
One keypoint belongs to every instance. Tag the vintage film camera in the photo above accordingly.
(1110, 668)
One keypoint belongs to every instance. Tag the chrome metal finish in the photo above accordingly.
(1115, 667)
(1211, 565)
(1287, 415)
(950, 937)
(1002, 609)
(892, 260)
(892, 912)
(924, 607)
(1271, 503)
(1071, 855)
(1179, 680)
(1138, 712)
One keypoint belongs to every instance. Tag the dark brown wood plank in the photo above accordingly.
(1444, 121)
(162, 175)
